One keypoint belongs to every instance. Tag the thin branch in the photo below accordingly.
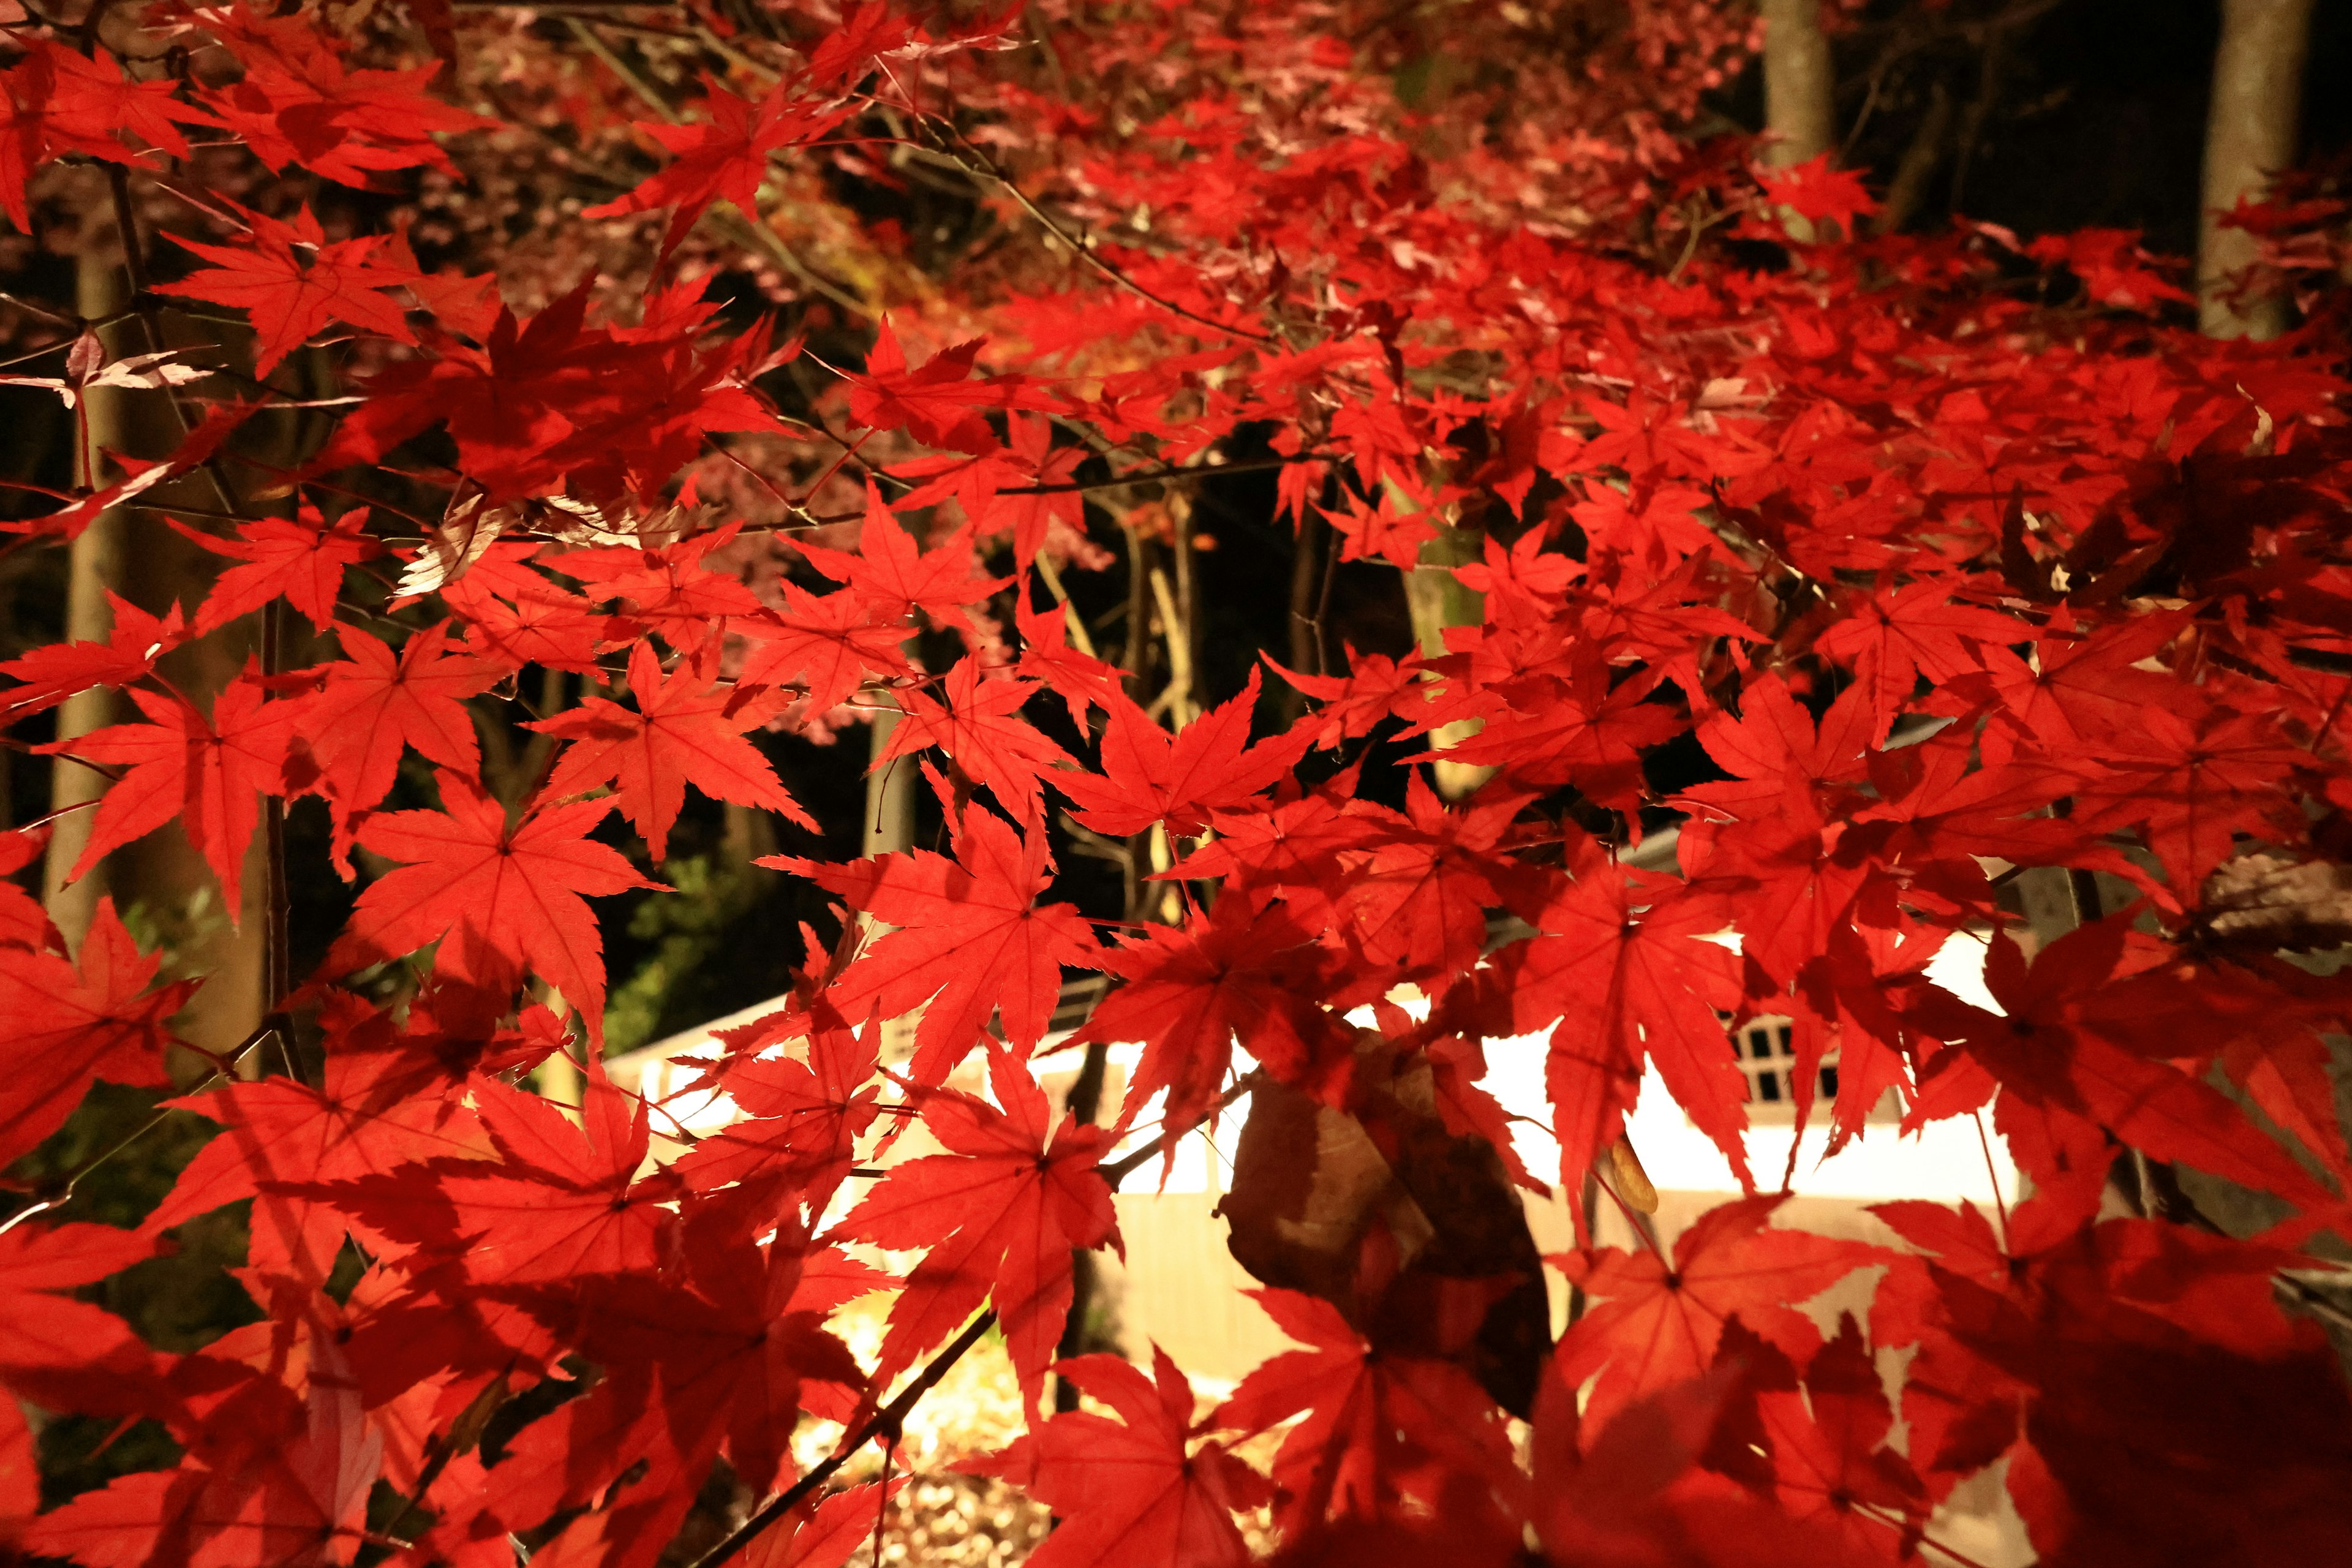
(1080, 639)
(972, 162)
(891, 1419)
(630, 78)
(746, 231)
(1118, 1170)
(58, 1193)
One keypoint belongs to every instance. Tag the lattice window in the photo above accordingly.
(1768, 1057)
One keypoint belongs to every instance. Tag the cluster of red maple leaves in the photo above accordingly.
(1958, 561)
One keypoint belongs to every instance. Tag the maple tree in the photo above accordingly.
(630, 404)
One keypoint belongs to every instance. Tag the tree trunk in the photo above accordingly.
(1799, 86)
(890, 795)
(94, 566)
(1435, 599)
(889, 830)
(1798, 82)
(2251, 134)
(148, 565)
(1907, 193)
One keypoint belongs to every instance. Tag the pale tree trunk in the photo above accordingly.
(163, 871)
(1798, 82)
(889, 830)
(150, 566)
(94, 566)
(890, 795)
(1435, 599)
(2251, 134)
(1799, 86)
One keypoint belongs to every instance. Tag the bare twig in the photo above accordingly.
(889, 1420)
(747, 230)
(1120, 1169)
(56, 1194)
(973, 161)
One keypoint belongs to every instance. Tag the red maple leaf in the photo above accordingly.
(827, 1534)
(276, 1133)
(1826, 1457)
(62, 101)
(23, 921)
(726, 159)
(70, 1022)
(1376, 688)
(717, 1351)
(2045, 1048)
(802, 1118)
(1385, 1437)
(1894, 638)
(374, 702)
(291, 280)
(2114, 268)
(20, 1474)
(1778, 758)
(1385, 528)
(2119, 1351)
(669, 590)
(1632, 1495)
(1000, 1212)
(1029, 511)
(848, 52)
(2189, 781)
(515, 616)
(1419, 886)
(500, 899)
(687, 728)
(298, 104)
(1132, 1490)
(67, 1353)
(1077, 678)
(1813, 190)
(1617, 981)
(971, 939)
(567, 1200)
(895, 579)
(1578, 725)
(828, 645)
(208, 776)
(546, 396)
(1192, 991)
(53, 673)
(1657, 1324)
(978, 724)
(1149, 777)
(282, 1481)
(937, 403)
(301, 559)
